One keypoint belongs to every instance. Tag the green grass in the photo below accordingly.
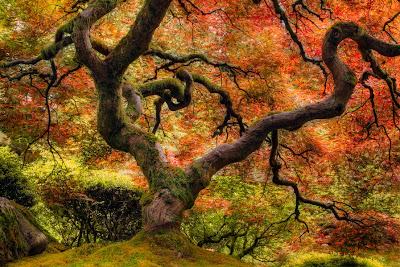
(333, 259)
(388, 258)
(163, 249)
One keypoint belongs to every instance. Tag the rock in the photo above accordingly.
(19, 232)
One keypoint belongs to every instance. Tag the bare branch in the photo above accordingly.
(301, 154)
(198, 9)
(275, 165)
(225, 100)
(198, 57)
(282, 15)
(387, 25)
(305, 7)
(369, 56)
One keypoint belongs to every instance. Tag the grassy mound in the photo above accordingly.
(332, 260)
(162, 249)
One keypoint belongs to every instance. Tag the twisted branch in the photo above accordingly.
(334, 105)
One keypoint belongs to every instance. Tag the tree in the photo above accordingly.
(174, 189)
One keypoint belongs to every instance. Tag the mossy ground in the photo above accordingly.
(162, 249)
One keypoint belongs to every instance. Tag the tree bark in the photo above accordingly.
(172, 189)
(163, 212)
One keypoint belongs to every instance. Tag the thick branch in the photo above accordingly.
(136, 42)
(182, 75)
(134, 107)
(344, 81)
(81, 25)
(47, 53)
(159, 87)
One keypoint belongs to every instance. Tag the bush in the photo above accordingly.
(94, 148)
(233, 218)
(81, 205)
(379, 232)
(13, 183)
(117, 211)
(98, 213)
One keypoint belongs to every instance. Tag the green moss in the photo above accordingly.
(340, 24)
(273, 112)
(67, 27)
(333, 38)
(49, 51)
(148, 151)
(165, 249)
(351, 78)
(147, 198)
(346, 28)
(11, 240)
(108, 4)
(159, 87)
(165, 176)
(175, 241)
(151, 138)
(198, 169)
(176, 180)
(332, 260)
(337, 26)
(202, 57)
(200, 78)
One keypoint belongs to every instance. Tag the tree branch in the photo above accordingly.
(299, 198)
(387, 25)
(369, 56)
(282, 15)
(225, 100)
(334, 105)
(137, 40)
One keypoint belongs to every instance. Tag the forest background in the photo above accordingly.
(267, 57)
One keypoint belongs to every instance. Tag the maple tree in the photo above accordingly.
(120, 117)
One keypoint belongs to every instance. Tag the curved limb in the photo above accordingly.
(186, 60)
(334, 105)
(159, 103)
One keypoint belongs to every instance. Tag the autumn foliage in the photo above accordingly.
(252, 93)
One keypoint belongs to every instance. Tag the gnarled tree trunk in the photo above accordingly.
(172, 189)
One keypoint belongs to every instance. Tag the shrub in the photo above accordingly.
(13, 183)
(233, 218)
(82, 205)
(100, 213)
(94, 148)
(379, 232)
